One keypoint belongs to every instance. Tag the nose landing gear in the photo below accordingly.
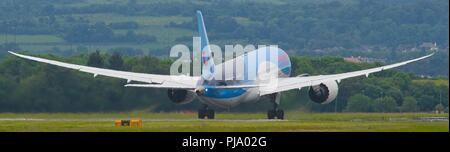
(205, 112)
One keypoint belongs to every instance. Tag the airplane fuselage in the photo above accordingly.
(231, 97)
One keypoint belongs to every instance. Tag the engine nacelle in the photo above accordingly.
(180, 96)
(324, 93)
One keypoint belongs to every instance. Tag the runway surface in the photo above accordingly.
(427, 119)
(145, 119)
(225, 122)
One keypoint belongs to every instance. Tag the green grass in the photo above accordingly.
(322, 122)
(439, 82)
(141, 20)
(163, 35)
(38, 48)
(149, 25)
(32, 38)
(121, 2)
(165, 39)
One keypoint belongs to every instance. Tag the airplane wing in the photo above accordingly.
(157, 81)
(180, 87)
(285, 84)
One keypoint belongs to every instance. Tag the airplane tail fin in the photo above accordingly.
(206, 54)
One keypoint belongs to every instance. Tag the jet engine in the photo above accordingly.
(180, 96)
(323, 93)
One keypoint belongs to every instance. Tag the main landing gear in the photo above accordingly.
(275, 112)
(204, 112)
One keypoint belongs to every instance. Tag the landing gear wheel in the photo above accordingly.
(205, 113)
(201, 114)
(271, 114)
(210, 114)
(280, 114)
(275, 112)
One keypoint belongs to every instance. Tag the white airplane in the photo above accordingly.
(323, 89)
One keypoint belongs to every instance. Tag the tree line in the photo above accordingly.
(27, 86)
(293, 24)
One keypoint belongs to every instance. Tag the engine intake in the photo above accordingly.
(323, 93)
(180, 96)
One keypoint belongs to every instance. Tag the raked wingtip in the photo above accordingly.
(13, 53)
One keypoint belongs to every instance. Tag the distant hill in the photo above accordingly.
(384, 29)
